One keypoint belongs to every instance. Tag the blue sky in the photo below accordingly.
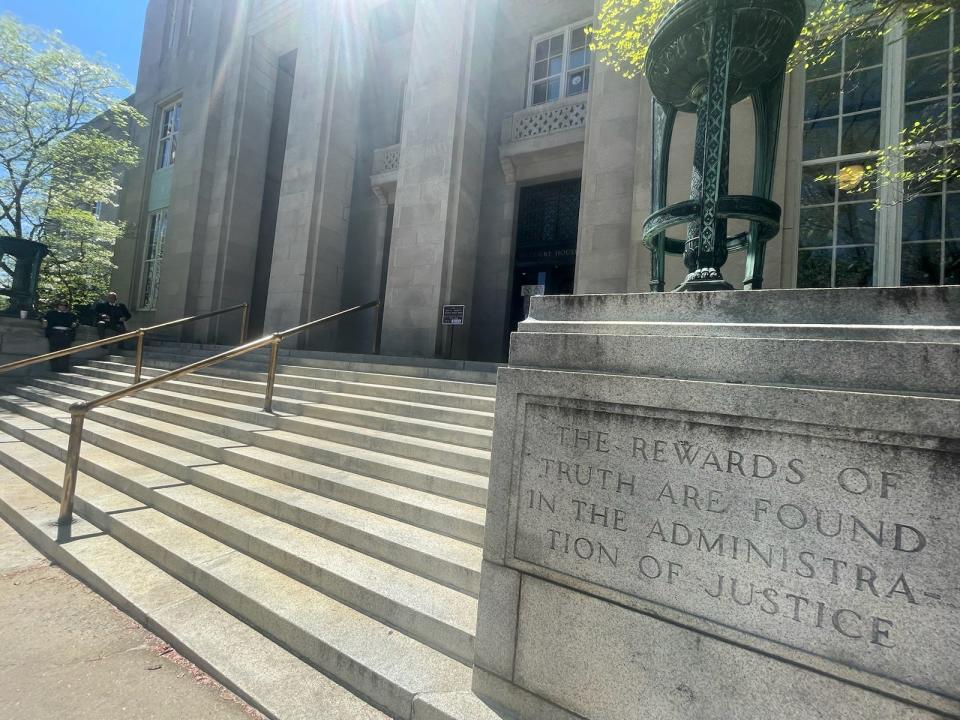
(112, 27)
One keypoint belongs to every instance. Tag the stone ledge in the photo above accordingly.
(911, 367)
(922, 305)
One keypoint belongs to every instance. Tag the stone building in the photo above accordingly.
(310, 155)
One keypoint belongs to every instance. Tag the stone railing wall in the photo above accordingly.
(545, 119)
(386, 159)
(20, 339)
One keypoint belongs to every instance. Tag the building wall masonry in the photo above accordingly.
(410, 137)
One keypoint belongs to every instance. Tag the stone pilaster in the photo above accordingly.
(607, 192)
(309, 248)
(435, 228)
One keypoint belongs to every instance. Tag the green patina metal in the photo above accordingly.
(706, 56)
(19, 272)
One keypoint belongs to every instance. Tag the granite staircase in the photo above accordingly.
(322, 561)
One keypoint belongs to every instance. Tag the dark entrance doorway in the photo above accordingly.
(546, 252)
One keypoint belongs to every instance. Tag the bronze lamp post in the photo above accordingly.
(706, 56)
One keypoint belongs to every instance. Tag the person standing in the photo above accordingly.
(111, 315)
(60, 327)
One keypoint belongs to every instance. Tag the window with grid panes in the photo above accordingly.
(841, 130)
(169, 135)
(559, 65)
(173, 25)
(152, 258)
(848, 114)
(930, 221)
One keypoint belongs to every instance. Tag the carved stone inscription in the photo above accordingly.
(847, 550)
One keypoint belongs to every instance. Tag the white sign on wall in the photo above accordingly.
(453, 314)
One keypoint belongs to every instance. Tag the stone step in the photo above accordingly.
(312, 382)
(258, 670)
(437, 510)
(199, 397)
(433, 614)
(156, 405)
(382, 665)
(293, 366)
(251, 393)
(437, 513)
(460, 370)
(437, 557)
(204, 434)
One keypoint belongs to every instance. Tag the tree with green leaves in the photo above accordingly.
(65, 140)
(625, 28)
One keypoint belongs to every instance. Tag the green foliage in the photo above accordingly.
(625, 29)
(837, 19)
(64, 144)
(81, 258)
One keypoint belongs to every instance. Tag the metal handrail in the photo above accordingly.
(78, 411)
(138, 334)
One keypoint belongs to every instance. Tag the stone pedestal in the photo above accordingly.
(726, 505)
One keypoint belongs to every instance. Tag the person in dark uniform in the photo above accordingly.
(111, 315)
(60, 327)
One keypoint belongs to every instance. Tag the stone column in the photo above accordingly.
(435, 227)
(309, 247)
(606, 196)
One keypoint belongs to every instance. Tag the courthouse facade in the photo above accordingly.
(310, 155)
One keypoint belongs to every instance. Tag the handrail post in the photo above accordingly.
(272, 373)
(139, 366)
(71, 467)
(244, 319)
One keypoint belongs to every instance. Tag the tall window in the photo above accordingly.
(851, 110)
(152, 258)
(173, 25)
(930, 222)
(559, 65)
(169, 135)
(841, 127)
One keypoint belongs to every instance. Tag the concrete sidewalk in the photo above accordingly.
(68, 654)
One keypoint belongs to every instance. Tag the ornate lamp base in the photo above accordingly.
(704, 280)
(703, 286)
